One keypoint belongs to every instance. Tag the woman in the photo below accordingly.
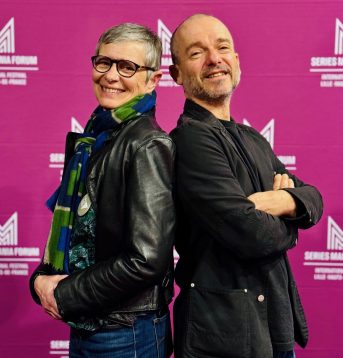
(107, 267)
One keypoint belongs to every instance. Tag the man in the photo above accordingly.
(113, 225)
(239, 213)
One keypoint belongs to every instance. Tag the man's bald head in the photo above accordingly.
(182, 29)
(205, 62)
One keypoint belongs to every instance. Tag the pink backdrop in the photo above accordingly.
(291, 91)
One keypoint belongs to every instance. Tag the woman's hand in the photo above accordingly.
(44, 286)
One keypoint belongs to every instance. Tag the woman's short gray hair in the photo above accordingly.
(138, 33)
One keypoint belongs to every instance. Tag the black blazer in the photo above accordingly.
(233, 257)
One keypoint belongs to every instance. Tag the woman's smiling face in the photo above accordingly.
(113, 90)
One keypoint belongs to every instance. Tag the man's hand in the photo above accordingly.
(276, 202)
(282, 182)
(44, 286)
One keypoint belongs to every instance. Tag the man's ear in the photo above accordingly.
(175, 74)
(153, 80)
(238, 62)
(239, 72)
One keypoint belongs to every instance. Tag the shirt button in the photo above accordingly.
(260, 298)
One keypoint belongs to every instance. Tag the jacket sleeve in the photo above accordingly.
(41, 269)
(209, 191)
(308, 200)
(149, 239)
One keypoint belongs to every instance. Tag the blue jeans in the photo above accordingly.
(147, 338)
(289, 354)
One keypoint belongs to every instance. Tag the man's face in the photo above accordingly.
(208, 67)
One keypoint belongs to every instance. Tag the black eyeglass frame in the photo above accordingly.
(137, 67)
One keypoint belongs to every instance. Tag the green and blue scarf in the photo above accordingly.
(66, 199)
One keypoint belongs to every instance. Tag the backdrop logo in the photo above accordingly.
(176, 257)
(76, 126)
(59, 348)
(335, 235)
(328, 264)
(7, 37)
(165, 35)
(13, 67)
(13, 258)
(339, 38)
(268, 132)
(56, 160)
(9, 231)
(331, 67)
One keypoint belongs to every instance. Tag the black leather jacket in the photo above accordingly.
(130, 185)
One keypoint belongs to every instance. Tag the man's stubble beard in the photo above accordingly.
(211, 96)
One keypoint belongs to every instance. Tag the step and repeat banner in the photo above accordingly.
(291, 90)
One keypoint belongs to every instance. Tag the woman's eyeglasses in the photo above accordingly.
(125, 68)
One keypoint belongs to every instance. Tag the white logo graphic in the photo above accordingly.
(267, 131)
(13, 67)
(339, 38)
(165, 35)
(7, 37)
(76, 126)
(14, 260)
(328, 264)
(58, 347)
(57, 159)
(176, 256)
(335, 235)
(331, 67)
(9, 231)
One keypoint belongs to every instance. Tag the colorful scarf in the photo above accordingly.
(66, 199)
